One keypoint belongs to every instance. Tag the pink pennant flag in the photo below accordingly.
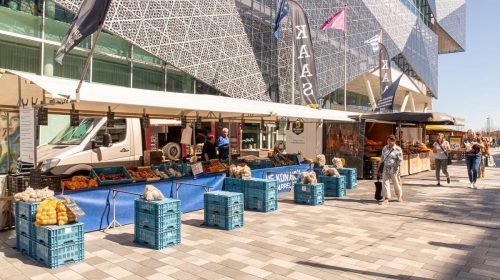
(335, 21)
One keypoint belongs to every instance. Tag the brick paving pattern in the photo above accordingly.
(447, 232)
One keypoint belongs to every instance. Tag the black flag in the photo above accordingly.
(385, 68)
(386, 102)
(304, 55)
(88, 19)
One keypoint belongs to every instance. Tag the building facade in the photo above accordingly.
(227, 47)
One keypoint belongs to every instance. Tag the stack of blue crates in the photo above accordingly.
(311, 194)
(157, 224)
(261, 195)
(234, 185)
(25, 227)
(334, 186)
(351, 175)
(224, 209)
(53, 246)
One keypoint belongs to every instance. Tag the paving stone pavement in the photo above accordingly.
(447, 232)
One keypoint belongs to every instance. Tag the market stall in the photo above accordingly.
(93, 143)
(362, 143)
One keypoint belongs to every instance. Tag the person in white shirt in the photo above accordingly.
(441, 154)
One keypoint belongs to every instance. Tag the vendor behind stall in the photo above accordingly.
(223, 144)
(209, 151)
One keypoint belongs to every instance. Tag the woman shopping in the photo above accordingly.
(441, 155)
(392, 156)
(485, 153)
(472, 147)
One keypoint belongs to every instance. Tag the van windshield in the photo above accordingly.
(75, 135)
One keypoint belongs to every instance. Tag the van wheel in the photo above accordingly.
(172, 151)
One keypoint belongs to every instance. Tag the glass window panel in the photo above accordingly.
(9, 141)
(111, 72)
(18, 56)
(179, 82)
(141, 55)
(20, 22)
(148, 78)
(112, 44)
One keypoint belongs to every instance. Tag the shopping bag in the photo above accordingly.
(378, 190)
(491, 161)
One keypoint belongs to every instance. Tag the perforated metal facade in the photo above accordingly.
(451, 17)
(229, 44)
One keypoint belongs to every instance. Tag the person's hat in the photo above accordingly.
(392, 137)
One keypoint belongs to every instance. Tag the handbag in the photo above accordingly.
(378, 190)
(448, 158)
(382, 162)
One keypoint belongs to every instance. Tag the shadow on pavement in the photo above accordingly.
(452, 245)
(361, 272)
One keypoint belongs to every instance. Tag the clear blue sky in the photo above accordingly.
(469, 82)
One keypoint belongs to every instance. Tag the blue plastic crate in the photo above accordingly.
(261, 194)
(223, 198)
(157, 240)
(152, 222)
(351, 177)
(261, 184)
(234, 185)
(310, 199)
(311, 189)
(60, 235)
(158, 208)
(26, 210)
(261, 205)
(25, 227)
(332, 182)
(225, 210)
(340, 192)
(54, 257)
(224, 222)
(94, 172)
(26, 245)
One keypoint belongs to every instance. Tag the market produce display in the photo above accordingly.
(330, 171)
(213, 166)
(31, 195)
(161, 174)
(143, 174)
(369, 142)
(281, 160)
(337, 162)
(53, 212)
(79, 183)
(112, 177)
(152, 193)
(309, 177)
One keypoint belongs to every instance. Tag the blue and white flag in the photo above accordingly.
(374, 41)
(386, 102)
(282, 13)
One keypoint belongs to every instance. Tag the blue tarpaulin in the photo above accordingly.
(98, 203)
(94, 201)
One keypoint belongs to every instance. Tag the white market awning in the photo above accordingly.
(95, 99)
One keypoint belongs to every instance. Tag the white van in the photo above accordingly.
(75, 150)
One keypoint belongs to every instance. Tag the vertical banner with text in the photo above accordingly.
(27, 134)
(304, 55)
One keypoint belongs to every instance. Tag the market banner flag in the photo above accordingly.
(335, 21)
(386, 102)
(88, 19)
(385, 69)
(304, 55)
(282, 13)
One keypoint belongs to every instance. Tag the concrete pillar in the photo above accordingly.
(426, 107)
(405, 101)
(369, 89)
(48, 61)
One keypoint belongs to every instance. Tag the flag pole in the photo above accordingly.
(345, 59)
(87, 63)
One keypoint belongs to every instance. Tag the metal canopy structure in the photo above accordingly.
(412, 117)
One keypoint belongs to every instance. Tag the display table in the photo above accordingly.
(98, 208)
(419, 162)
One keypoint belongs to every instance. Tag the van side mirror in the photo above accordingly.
(106, 140)
(93, 144)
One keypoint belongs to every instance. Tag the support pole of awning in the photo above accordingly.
(87, 63)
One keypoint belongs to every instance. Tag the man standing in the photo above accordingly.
(223, 144)
(208, 151)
